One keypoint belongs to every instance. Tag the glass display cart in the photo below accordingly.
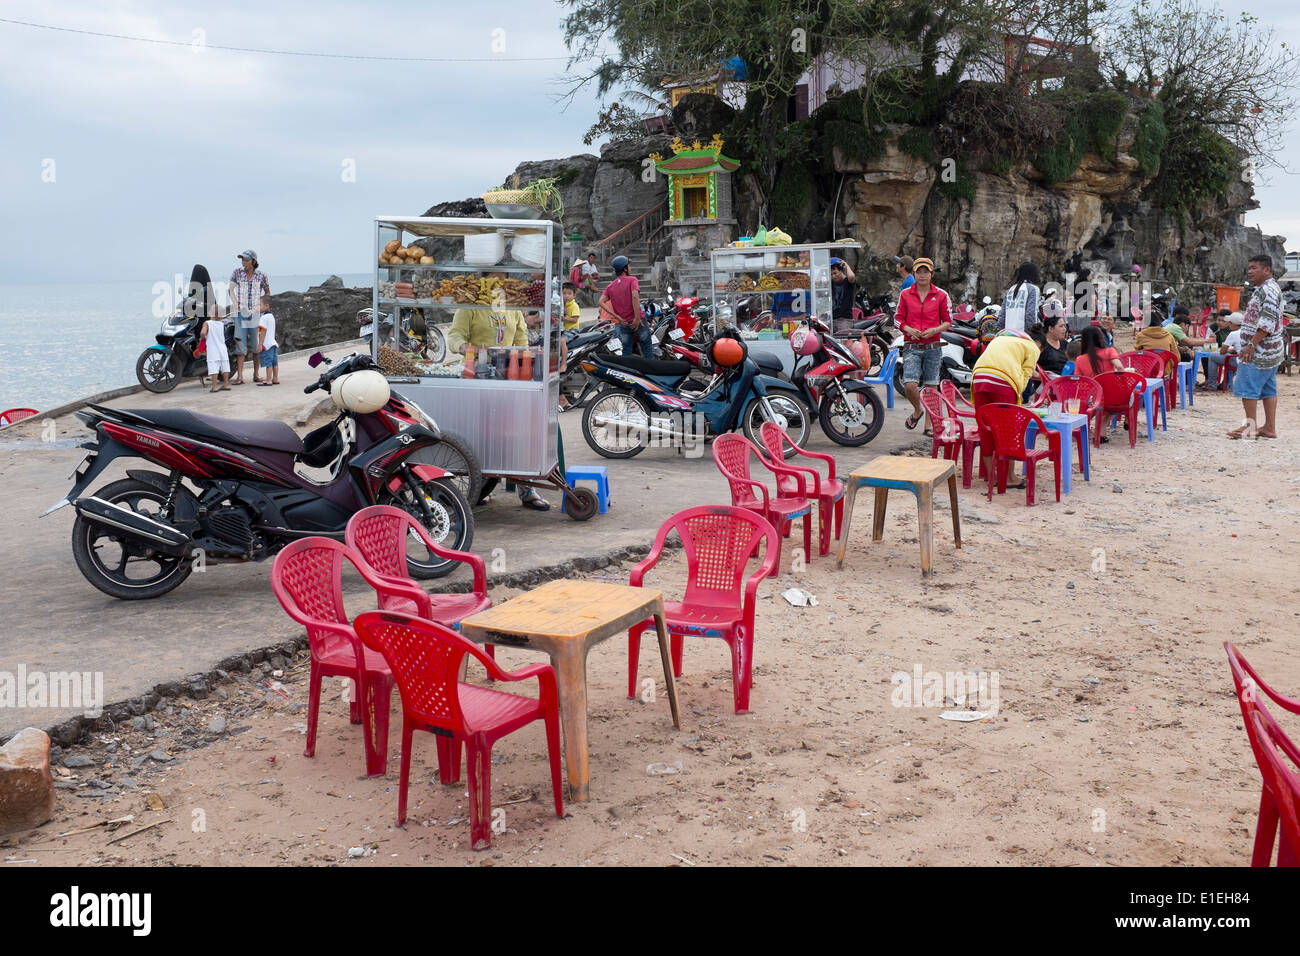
(792, 282)
(497, 386)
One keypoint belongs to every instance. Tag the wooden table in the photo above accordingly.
(565, 619)
(917, 475)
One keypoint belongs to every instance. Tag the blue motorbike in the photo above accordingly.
(647, 402)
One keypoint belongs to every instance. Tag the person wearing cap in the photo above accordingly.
(621, 304)
(842, 294)
(247, 286)
(904, 268)
(924, 313)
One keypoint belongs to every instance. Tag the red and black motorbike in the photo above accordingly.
(232, 490)
(850, 412)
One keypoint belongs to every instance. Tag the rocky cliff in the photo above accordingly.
(324, 314)
(1095, 219)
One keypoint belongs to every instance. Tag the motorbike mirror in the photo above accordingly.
(988, 301)
(670, 292)
(316, 359)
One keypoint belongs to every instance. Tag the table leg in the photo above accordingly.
(1085, 450)
(878, 515)
(570, 662)
(1067, 461)
(925, 522)
(956, 516)
(662, 628)
(1148, 405)
(848, 519)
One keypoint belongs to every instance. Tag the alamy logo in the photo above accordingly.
(70, 689)
(74, 909)
(933, 689)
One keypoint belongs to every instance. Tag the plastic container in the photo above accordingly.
(529, 250)
(485, 250)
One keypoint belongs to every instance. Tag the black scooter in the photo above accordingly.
(171, 358)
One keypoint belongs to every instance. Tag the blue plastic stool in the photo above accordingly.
(886, 376)
(596, 473)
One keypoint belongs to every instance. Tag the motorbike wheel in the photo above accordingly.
(877, 359)
(792, 415)
(449, 523)
(854, 419)
(127, 571)
(452, 453)
(435, 344)
(156, 372)
(573, 384)
(626, 429)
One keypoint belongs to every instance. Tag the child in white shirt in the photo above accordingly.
(268, 349)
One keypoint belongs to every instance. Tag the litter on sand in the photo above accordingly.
(797, 598)
(963, 715)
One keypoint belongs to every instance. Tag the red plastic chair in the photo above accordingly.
(425, 659)
(307, 578)
(1170, 374)
(719, 541)
(1089, 394)
(12, 415)
(1284, 781)
(1122, 395)
(953, 396)
(1249, 684)
(950, 434)
(1147, 364)
(1002, 431)
(379, 534)
(731, 453)
(828, 491)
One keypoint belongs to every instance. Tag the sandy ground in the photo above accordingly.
(1116, 739)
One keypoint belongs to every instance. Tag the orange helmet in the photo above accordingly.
(728, 352)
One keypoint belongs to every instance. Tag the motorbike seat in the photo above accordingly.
(277, 436)
(768, 363)
(655, 367)
(956, 338)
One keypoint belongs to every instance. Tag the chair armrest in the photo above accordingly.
(829, 459)
(772, 547)
(385, 586)
(786, 471)
(639, 570)
(464, 557)
(815, 475)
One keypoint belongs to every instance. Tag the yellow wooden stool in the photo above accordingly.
(917, 475)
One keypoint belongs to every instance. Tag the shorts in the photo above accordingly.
(983, 393)
(1254, 383)
(922, 365)
(269, 358)
(245, 336)
(219, 362)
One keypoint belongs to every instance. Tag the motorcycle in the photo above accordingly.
(171, 358)
(878, 326)
(644, 399)
(959, 354)
(143, 535)
(575, 384)
(850, 412)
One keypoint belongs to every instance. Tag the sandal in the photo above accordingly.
(535, 501)
(263, 384)
(912, 422)
(1247, 429)
(927, 433)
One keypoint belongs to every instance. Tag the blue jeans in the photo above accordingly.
(640, 336)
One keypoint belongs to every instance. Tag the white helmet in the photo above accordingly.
(360, 392)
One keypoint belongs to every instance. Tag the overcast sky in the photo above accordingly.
(134, 160)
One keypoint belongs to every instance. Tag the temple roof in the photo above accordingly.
(696, 158)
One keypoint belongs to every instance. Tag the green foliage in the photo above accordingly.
(1104, 116)
(1150, 141)
(616, 122)
(1197, 165)
(963, 187)
(1000, 165)
(839, 124)
(566, 175)
(917, 142)
(793, 197)
(1058, 159)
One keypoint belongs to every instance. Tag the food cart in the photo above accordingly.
(799, 274)
(503, 400)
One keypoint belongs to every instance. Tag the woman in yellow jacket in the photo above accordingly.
(1003, 369)
(1001, 373)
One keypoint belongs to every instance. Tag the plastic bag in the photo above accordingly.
(760, 237)
(775, 237)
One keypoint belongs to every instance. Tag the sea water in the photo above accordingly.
(60, 342)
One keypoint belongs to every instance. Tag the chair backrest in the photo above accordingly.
(307, 578)
(951, 395)
(1148, 363)
(947, 427)
(774, 439)
(12, 415)
(1081, 387)
(1119, 390)
(378, 534)
(425, 660)
(731, 455)
(1171, 360)
(719, 541)
(1282, 781)
(1006, 424)
(886, 373)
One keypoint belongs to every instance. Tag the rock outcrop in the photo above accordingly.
(324, 314)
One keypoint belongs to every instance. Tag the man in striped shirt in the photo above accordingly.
(1261, 351)
(247, 286)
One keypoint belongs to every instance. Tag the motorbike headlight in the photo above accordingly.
(174, 325)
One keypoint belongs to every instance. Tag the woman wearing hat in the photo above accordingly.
(923, 314)
(621, 304)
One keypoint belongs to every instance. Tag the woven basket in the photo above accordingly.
(508, 196)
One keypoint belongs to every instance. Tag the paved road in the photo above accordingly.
(55, 621)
